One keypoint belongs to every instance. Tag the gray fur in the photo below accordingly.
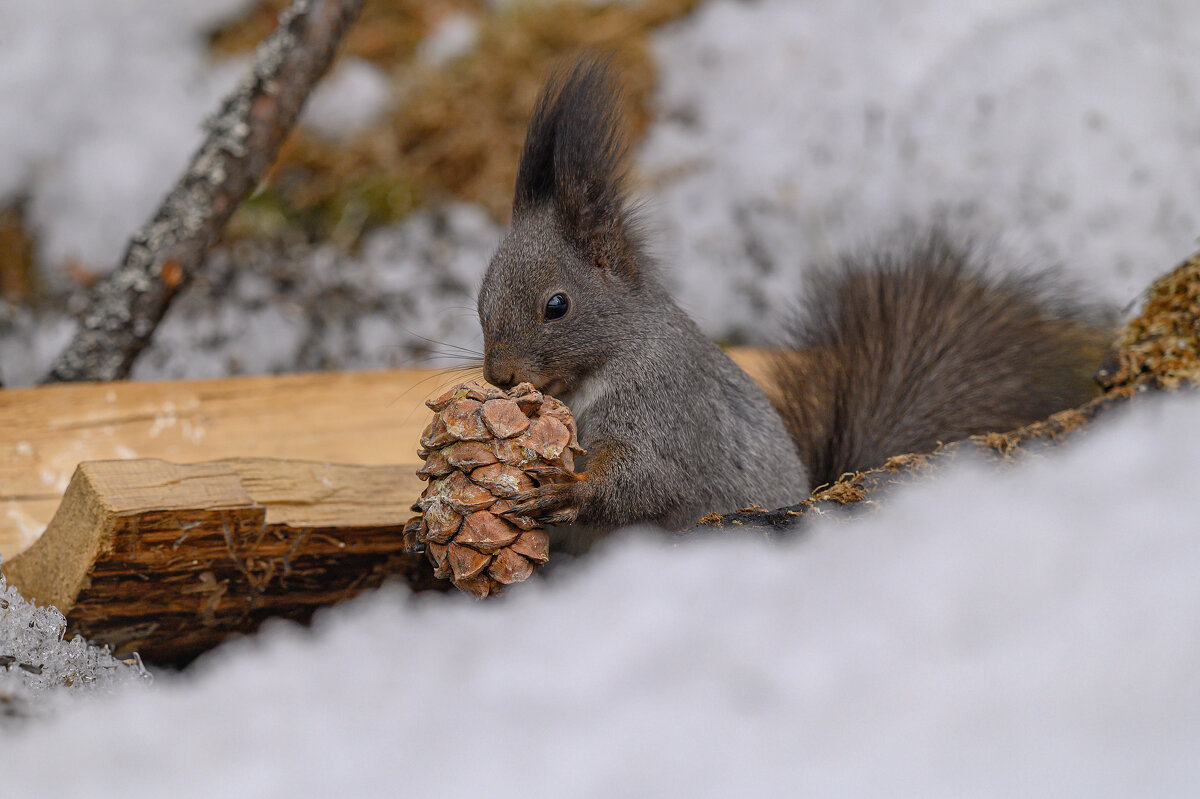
(685, 431)
(895, 353)
(917, 343)
(695, 434)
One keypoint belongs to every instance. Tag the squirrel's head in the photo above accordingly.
(558, 294)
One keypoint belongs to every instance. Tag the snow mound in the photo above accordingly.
(792, 132)
(93, 139)
(38, 669)
(1033, 632)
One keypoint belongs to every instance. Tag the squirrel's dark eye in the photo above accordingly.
(556, 307)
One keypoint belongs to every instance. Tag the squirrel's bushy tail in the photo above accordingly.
(918, 345)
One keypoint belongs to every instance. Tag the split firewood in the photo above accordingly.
(170, 560)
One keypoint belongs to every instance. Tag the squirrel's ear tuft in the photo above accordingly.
(574, 161)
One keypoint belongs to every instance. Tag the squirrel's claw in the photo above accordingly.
(554, 474)
(553, 503)
(564, 516)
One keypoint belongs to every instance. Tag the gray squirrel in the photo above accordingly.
(893, 353)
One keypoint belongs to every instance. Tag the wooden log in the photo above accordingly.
(170, 560)
(46, 432)
(367, 418)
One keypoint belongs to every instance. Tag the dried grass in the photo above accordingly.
(457, 129)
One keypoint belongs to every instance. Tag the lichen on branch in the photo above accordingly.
(242, 140)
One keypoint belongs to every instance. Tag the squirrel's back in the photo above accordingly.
(898, 352)
(917, 344)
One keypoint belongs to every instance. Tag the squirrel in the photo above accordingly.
(894, 352)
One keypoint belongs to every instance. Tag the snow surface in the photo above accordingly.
(791, 132)
(39, 670)
(1033, 631)
(100, 102)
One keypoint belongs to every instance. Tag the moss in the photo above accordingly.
(1161, 346)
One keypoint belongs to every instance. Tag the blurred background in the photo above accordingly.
(770, 135)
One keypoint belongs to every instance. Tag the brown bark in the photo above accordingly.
(243, 139)
(170, 560)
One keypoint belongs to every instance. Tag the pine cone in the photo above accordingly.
(484, 446)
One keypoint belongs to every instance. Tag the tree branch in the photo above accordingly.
(243, 140)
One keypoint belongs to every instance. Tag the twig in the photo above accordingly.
(243, 139)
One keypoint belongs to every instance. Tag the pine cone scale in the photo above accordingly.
(483, 447)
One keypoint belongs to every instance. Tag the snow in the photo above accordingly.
(39, 670)
(1032, 631)
(99, 102)
(787, 133)
(453, 37)
(348, 100)
(262, 312)
(792, 132)
(30, 340)
(407, 297)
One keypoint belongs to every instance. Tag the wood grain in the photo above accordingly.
(170, 560)
(365, 418)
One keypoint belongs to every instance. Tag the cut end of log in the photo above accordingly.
(169, 560)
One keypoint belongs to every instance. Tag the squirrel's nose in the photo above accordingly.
(500, 375)
(500, 382)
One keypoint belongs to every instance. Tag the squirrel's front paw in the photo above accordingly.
(554, 503)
